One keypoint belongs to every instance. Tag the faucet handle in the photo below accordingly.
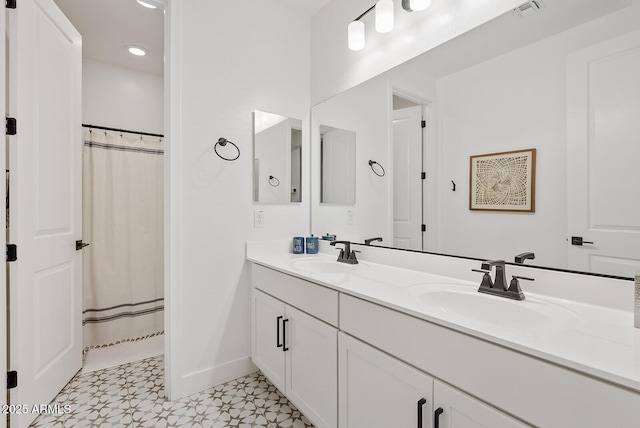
(486, 278)
(514, 287)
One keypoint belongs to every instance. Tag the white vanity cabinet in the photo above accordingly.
(360, 361)
(295, 350)
(379, 391)
(456, 409)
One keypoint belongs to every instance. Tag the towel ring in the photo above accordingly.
(371, 163)
(223, 142)
(273, 179)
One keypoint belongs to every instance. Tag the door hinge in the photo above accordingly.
(423, 123)
(12, 379)
(12, 252)
(423, 175)
(11, 126)
(424, 227)
(10, 4)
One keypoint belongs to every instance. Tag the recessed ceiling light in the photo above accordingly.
(137, 50)
(145, 4)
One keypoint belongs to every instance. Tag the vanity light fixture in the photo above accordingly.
(417, 5)
(384, 16)
(147, 5)
(356, 35)
(384, 20)
(137, 50)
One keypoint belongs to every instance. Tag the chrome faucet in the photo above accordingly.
(498, 287)
(346, 254)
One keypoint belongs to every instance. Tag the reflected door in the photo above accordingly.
(604, 148)
(338, 171)
(45, 157)
(407, 182)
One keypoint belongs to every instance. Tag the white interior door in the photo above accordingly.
(338, 167)
(407, 184)
(604, 148)
(45, 156)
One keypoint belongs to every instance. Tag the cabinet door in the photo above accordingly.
(377, 390)
(460, 410)
(266, 334)
(312, 367)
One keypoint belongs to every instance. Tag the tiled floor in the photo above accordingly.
(131, 395)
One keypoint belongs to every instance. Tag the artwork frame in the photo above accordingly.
(504, 181)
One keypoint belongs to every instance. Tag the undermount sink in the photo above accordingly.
(466, 302)
(326, 266)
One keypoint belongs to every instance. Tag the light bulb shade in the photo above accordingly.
(419, 4)
(384, 16)
(356, 35)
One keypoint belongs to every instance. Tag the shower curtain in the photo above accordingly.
(123, 221)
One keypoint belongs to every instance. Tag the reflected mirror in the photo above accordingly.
(563, 81)
(337, 166)
(277, 158)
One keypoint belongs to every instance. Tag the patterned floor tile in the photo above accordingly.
(132, 396)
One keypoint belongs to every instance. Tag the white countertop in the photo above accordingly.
(596, 340)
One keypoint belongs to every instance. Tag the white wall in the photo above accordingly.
(515, 101)
(334, 68)
(226, 59)
(122, 98)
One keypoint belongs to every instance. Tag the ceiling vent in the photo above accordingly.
(529, 8)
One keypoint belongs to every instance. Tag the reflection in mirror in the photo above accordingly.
(560, 82)
(277, 162)
(337, 170)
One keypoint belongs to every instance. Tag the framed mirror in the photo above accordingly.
(554, 81)
(277, 158)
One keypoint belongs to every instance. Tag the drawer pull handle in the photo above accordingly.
(436, 419)
(278, 344)
(284, 335)
(421, 402)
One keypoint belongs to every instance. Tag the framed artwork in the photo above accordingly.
(503, 181)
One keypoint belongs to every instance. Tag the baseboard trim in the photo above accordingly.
(213, 376)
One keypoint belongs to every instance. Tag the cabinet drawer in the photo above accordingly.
(314, 299)
(537, 391)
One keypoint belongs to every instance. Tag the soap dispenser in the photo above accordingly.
(312, 244)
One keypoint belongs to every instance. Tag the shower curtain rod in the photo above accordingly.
(106, 128)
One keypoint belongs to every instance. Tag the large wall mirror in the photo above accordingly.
(277, 158)
(562, 81)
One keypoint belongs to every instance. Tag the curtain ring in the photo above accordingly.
(273, 179)
(223, 142)
(371, 163)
